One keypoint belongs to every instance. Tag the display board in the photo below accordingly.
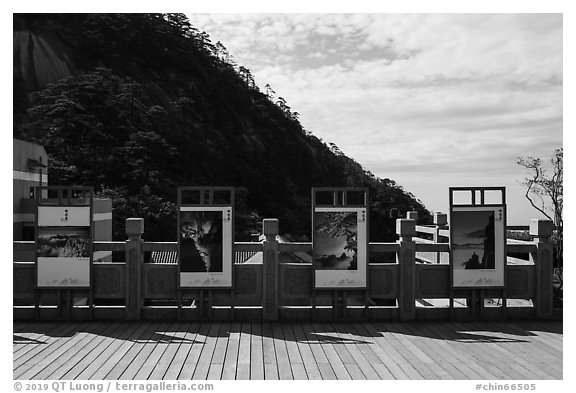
(205, 236)
(64, 237)
(477, 238)
(340, 238)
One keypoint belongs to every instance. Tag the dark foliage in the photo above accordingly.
(156, 105)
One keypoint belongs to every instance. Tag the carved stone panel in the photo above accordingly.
(23, 279)
(297, 282)
(433, 282)
(245, 281)
(517, 283)
(108, 281)
(381, 282)
(161, 281)
(545, 284)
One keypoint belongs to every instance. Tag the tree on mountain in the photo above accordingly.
(158, 213)
(269, 91)
(142, 152)
(167, 111)
(335, 149)
(183, 105)
(246, 75)
(81, 120)
(180, 23)
(281, 102)
(221, 52)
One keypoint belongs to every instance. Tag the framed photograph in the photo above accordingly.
(340, 245)
(477, 250)
(64, 240)
(63, 256)
(205, 246)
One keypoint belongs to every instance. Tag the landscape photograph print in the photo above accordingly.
(201, 241)
(473, 240)
(63, 256)
(369, 192)
(63, 242)
(477, 247)
(335, 240)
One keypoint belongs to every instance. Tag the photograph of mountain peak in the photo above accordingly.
(63, 242)
(473, 240)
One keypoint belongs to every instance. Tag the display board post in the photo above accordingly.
(340, 238)
(339, 245)
(478, 243)
(204, 304)
(406, 230)
(541, 231)
(134, 261)
(64, 250)
(205, 237)
(205, 231)
(440, 220)
(270, 274)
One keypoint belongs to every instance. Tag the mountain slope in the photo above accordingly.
(138, 104)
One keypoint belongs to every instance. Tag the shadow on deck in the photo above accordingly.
(288, 350)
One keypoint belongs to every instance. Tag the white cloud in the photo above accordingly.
(466, 93)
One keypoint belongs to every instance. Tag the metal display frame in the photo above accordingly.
(340, 203)
(66, 198)
(477, 203)
(206, 203)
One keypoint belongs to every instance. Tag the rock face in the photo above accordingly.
(138, 104)
(488, 259)
(37, 63)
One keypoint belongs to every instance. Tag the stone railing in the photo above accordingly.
(279, 286)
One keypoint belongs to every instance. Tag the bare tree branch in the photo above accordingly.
(528, 191)
(549, 191)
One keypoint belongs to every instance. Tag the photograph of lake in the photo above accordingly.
(473, 240)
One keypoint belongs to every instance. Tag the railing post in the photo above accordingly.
(413, 215)
(270, 270)
(134, 261)
(406, 229)
(541, 230)
(440, 220)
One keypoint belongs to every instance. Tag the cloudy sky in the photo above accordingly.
(428, 100)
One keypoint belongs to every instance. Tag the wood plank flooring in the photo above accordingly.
(177, 350)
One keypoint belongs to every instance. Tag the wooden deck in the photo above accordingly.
(288, 350)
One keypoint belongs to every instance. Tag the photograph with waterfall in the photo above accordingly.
(201, 241)
(335, 240)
